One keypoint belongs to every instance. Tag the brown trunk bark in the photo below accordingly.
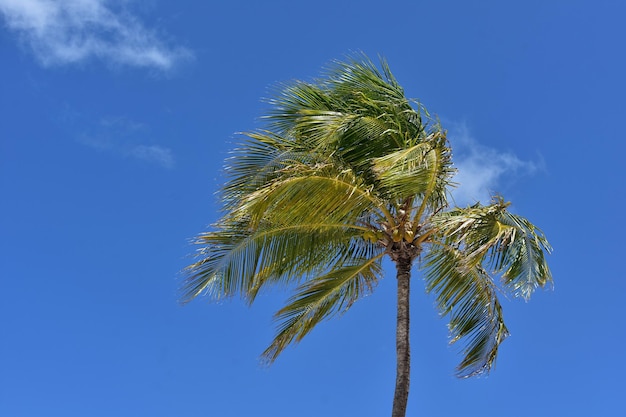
(403, 351)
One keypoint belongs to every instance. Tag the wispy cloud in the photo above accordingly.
(61, 32)
(116, 136)
(153, 153)
(481, 169)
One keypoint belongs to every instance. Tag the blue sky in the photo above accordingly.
(115, 118)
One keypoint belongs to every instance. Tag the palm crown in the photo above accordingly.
(348, 171)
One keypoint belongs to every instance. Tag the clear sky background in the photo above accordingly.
(116, 116)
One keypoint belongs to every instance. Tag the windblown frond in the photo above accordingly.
(522, 259)
(303, 194)
(357, 113)
(291, 100)
(465, 243)
(258, 161)
(421, 171)
(240, 263)
(508, 243)
(469, 297)
(319, 299)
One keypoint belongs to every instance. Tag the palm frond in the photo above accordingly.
(423, 170)
(354, 134)
(311, 193)
(257, 161)
(469, 297)
(494, 237)
(521, 259)
(320, 298)
(357, 113)
(323, 130)
(291, 100)
(242, 262)
(358, 76)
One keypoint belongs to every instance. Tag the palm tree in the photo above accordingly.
(346, 173)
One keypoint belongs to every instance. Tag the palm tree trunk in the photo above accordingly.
(403, 351)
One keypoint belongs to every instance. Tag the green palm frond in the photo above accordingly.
(323, 297)
(294, 226)
(423, 170)
(521, 259)
(353, 137)
(508, 243)
(258, 161)
(465, 242)
(469, 297)
(307, 193)
(291, 100)
(352, 134)
(357, 113)
(359, 79)
(368, 91)
(241, 263)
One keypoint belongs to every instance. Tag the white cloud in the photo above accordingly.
(116, 136)
(61, 32)
(153, 153)
(481, 169)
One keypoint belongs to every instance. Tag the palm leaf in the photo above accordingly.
(307, 193)
(422, 170)
(469, 297)
(258, 161)
(287, 105)
(242, 263)
(521, 259)
(508, 243)
(321, 298)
